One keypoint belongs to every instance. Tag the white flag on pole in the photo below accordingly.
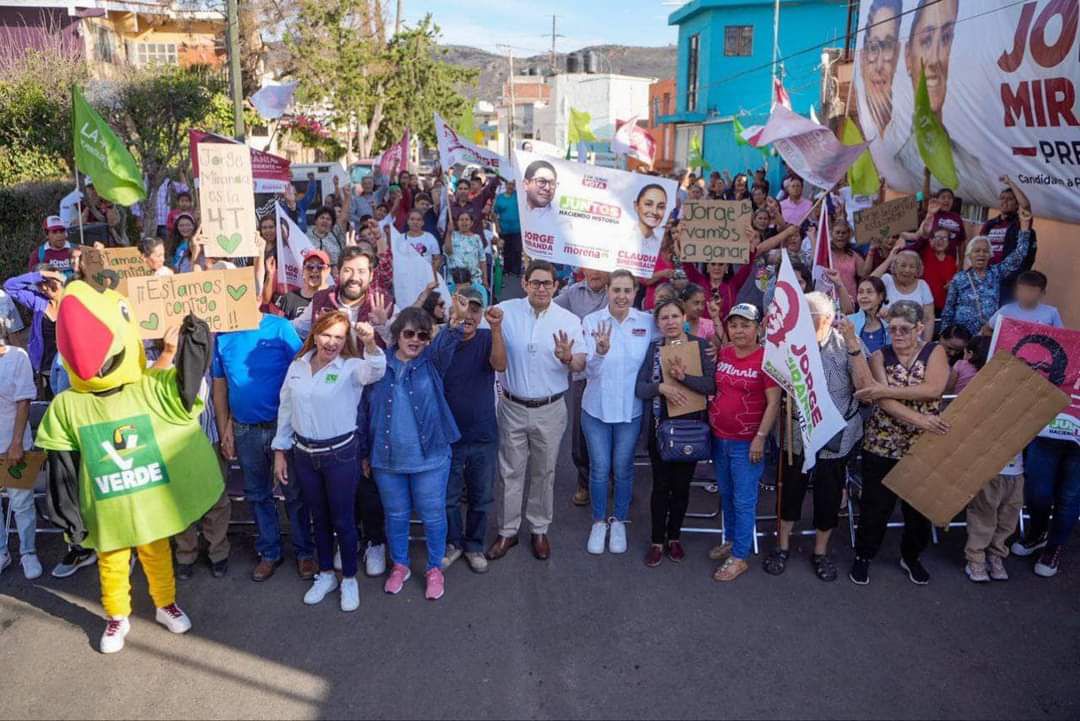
(292, 244)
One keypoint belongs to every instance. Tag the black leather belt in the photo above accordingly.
(534, 402)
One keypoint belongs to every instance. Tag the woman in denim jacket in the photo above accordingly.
(410, 429)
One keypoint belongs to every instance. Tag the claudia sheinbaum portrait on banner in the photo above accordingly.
(929, 45)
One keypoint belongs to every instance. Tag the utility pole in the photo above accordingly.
(397, 18)
(233, 45)
(554, 66)
(510, 130)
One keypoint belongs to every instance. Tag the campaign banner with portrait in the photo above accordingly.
(292, 246)
(1053, 352)
(793, 360)
(1002, 79)
(589, 216)
(455, 151)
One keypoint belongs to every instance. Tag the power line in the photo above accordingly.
(769, 65)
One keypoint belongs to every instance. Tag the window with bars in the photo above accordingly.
(104, 47)
(692, 73)
(155, 54)
(739, 40)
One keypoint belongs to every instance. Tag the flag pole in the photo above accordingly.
(79, 187)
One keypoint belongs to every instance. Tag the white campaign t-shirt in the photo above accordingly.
(425, 244)
(920, 295)
(16, 384)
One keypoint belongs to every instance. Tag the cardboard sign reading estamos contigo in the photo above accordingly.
(111, 267)
(225, 299)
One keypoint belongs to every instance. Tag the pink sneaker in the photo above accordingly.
(399, 574)
(436, 584)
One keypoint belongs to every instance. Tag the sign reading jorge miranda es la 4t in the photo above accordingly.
(225, 299)
(715, 231)
(227, 200)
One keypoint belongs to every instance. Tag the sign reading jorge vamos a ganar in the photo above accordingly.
(715, 231)
(225, 299)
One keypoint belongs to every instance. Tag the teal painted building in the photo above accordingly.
(724, 70)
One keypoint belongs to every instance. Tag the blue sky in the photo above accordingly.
(523, 23)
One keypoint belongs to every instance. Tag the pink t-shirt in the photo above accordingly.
(965, 372)
(737, 408)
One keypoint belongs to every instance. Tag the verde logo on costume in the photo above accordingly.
(122, 457)
(331, 377)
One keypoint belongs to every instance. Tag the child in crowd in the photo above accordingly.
(993, 514)
(1030, 291)
(185, 205)
(17, 390)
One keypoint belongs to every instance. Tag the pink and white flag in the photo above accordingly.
(395, 158)
(823, 252)
(809, 149)
(633, 141)
(780, 96)
(292, 245)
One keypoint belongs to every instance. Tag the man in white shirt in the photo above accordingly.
(543, 341)
(540, 217)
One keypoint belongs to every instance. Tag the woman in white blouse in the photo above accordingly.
(616, 341)
(317, 420)
(902, 273)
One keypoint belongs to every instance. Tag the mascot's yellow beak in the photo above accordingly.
(98, 339)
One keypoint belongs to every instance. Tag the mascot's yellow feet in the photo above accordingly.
(116, 629)
(172, 618)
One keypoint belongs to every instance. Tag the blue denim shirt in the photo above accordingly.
(424, 380)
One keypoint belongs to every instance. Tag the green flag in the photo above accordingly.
(738, 129)
(100, 154)
(579, 129)
(862, 175)
(465, 124)
(935, 148)
(695, 158)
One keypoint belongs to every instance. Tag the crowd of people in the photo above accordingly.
(363, 409)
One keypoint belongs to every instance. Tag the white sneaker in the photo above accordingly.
(5, 560)
(375, 560)
(115, 631)
(597, 536)
(337, 559)
(172, 618)
(617, 540)
(324, 583)
(31, 566)
(350, 595)
(453, 553)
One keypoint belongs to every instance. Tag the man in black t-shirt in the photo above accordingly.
(1003, 232)
(316, 270)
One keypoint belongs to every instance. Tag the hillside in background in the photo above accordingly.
(656, 63)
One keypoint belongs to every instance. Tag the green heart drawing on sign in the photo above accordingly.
(229, 243)
(236, 291)
(885, 232)
(16, 471)
(107, 279)
(151, 323)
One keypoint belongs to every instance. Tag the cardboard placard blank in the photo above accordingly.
(995, 416)
(691, 358)
(715, 231)
(24, 474)
(111, 267)
(885, 220)
(225, 299)
(227, 200)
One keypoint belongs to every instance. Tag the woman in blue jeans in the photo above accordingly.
(616, 341)
(1052, 482)
(317, 420)
(741, 414)
(410, 428)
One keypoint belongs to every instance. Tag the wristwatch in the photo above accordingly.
(857, 351)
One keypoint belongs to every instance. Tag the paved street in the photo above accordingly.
(578, 636)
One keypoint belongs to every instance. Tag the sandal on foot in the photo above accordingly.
(776, 561)
(731, 569)
(824, 568)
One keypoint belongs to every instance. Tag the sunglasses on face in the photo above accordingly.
(420, 335)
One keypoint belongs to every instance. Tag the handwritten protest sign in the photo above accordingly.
(715, 231)
(691, 358)
(225, 299)
(111, 267)
(23, 474)
(995, 416)
(885, 220)
(227, 200)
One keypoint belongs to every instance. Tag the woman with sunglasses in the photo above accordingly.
(910, 377)
(317, 421)
(314, 274)
(410, 429)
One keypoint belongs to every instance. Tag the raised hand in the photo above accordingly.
(364, 333)
(602, 336)
(1026, 218)
(494, 316)
(564, 346)
(172, 338)
(459, 309)
(379, 312)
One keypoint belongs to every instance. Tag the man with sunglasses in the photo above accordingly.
(316, 270)
(543, 341)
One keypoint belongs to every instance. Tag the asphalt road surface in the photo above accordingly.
(577, 636)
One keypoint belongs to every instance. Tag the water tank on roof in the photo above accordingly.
(534, 70)
(592, 62)
(573, 63)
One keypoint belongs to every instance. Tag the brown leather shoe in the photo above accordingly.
(264, 569)
(500, 548)
(540, 547)
(306, 568)
(581, 496)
